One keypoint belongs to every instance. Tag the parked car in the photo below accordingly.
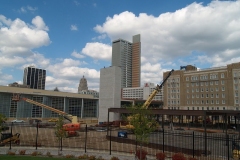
(53, 120)
(17, 121)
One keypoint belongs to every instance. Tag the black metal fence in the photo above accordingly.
(197, 144)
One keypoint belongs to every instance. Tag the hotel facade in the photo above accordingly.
(207, 89)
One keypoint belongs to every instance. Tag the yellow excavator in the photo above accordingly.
(7, 137)
(150, 98)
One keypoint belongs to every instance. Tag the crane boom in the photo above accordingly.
(156, 90)
(73, 119)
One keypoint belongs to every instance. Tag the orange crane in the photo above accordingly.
(70, 128)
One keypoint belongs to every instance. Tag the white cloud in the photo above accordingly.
(5, 78)
(213, 30)
(77, 55)
(18, 38)
(98, 51)
(26, 9)
(74, 28)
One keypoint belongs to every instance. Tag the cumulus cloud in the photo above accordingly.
(74, 28)
(5, 78)
(18, 38)
(98, 50)
(213, 30)
(77, 55)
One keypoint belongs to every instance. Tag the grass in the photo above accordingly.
(27, 157)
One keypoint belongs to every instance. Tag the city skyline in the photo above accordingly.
(72, 39)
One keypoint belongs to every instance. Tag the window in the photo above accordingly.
(222, 82)
(202, 102)
(192, 95)
(197, 89)
(217, 95)
(192, 101)
(236, 94)
(236, 101)
(236, 87)
(206, 101)
(217, 101)
(206, 89)
(202, 83)
(192, 90)
(202, 96)
(216, 82)
(206, 83)
(217, 89)
(222, 75)
(197, 84)
(187, 78)
(206, 95)
(212, 95)
(211, 83)
(197, 96)
(187, 90)
(202, 89)
(187, 96)
(192, 84)
(223, 102)
(212, 102)
(223, 88)
(187, 84)
(223, 95)
(212, 89)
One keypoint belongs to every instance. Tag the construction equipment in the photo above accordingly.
(151, 96)
(70, 128)
(8, 137)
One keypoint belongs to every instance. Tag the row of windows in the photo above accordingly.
(205, 83)
(205, 77)
(206, 102)
(206, 89)
(206, 96)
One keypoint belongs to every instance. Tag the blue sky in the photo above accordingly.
(72, 38)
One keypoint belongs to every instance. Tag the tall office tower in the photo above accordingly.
(35, 78)
(127, 55)
(82, 84)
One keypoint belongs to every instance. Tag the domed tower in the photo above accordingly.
(82, 84)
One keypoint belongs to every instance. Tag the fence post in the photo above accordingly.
(228, 146)
(37, 137)
(85, 139)
(11, 134)
(163, 139)
(193, 144)
(110, 141)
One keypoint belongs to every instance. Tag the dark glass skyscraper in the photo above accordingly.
(35, 78)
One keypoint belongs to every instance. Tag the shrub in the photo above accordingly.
(92, 158)
(85, 156)
(22, 152)
(178, 156)
(35, 153)
(114, 158)
(10, 153)
(49, 154)
(160, 156)
(143, 156)
(69, 156)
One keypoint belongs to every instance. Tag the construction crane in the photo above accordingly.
(151, 96)
(156, 90)
(71, 128)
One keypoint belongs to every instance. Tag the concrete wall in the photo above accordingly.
(109, 92)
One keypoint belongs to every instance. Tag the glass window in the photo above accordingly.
(222, 75)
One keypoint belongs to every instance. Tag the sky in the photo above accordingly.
(73, 38)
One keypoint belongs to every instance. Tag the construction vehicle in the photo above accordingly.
(70, 128)
(8, 137)
(151, 96)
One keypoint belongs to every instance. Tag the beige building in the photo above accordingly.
(203, 89)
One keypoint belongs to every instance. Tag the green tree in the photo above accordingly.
(2, 121)
(59, 131)
(143, 124)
